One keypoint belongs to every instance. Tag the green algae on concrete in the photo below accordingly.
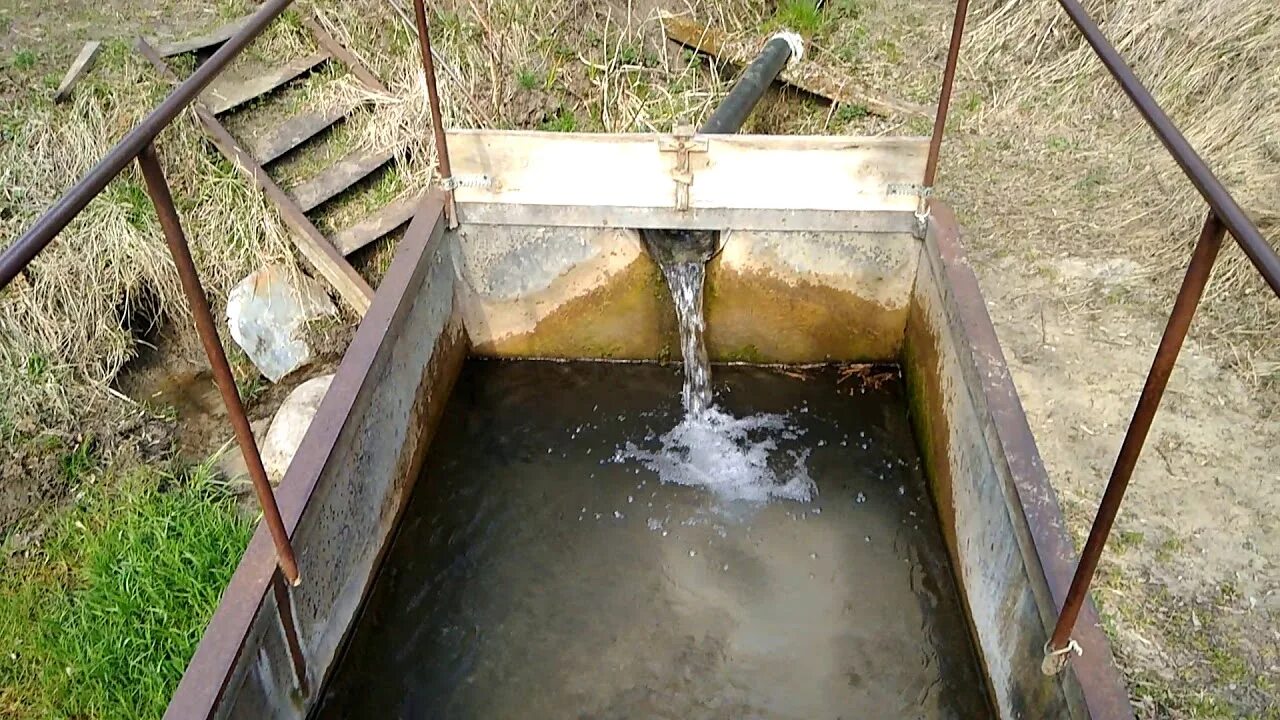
(628, 317)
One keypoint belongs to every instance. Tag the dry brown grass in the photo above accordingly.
(1060, 163)
(71, 323)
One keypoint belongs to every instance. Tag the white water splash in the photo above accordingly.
(736, 458)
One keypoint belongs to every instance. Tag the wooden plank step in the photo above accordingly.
(216, 36)
(391, 216)
(295, 131)
(225, 94)
(338, 177)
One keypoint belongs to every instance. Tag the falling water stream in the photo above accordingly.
(685, 279)
(738, 458)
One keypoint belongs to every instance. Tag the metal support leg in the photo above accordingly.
(944, 94)
(284, 607)
(1184, 309)
(161, 198)
(437, 120)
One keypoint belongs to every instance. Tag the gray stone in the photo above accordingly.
(230, 463)
(290, 424)
(268, 312)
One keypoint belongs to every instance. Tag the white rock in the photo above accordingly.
(268, 312)
(290, 424)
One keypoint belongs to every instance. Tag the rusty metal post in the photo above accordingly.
(284, 608)
(1184, 309)
(437, 120)
(161, 198)
(944, 94)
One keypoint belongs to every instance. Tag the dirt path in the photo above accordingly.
(1190, 587)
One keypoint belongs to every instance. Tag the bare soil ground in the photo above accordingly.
(1075, 221)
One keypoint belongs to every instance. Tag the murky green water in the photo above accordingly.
(534, 576)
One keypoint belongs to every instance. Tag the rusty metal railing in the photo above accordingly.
(138, 145)
(1224, 215)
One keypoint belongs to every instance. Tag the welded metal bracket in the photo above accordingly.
(454, 182)
(923, 193)
(683, 141)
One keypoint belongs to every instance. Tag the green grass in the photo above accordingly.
(564, 121)
(101, 619)
(850, 112)
(802, 16)
(24, 60)
(528, 79)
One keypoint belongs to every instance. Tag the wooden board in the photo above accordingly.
(226, 93)
(338, 177)
(78, 68)
(391, 216)
(622, 178)
(806, 74)
(327, 261)
(348, 58)
(322, 256)
(295, 131)
(216, 36)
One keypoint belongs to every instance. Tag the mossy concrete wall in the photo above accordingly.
(771, 297)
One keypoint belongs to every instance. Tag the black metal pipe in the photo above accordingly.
(746, 93)
(24, 249)
(670, 246)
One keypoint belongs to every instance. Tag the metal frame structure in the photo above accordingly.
(1224, 216)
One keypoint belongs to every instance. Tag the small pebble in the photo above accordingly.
(861, 498)
(868, 538)
(692, 553)
(813, 556)
(630, 499)
(725, 568)
(617, 514)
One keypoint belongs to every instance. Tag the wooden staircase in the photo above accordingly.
(256, 155)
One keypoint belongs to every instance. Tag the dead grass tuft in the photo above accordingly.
(1076, 167)
(74, 319)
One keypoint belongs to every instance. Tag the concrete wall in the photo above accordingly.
(998, 511)
(342, 495)
(771, 296)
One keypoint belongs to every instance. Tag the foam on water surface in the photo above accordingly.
(736, 458)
